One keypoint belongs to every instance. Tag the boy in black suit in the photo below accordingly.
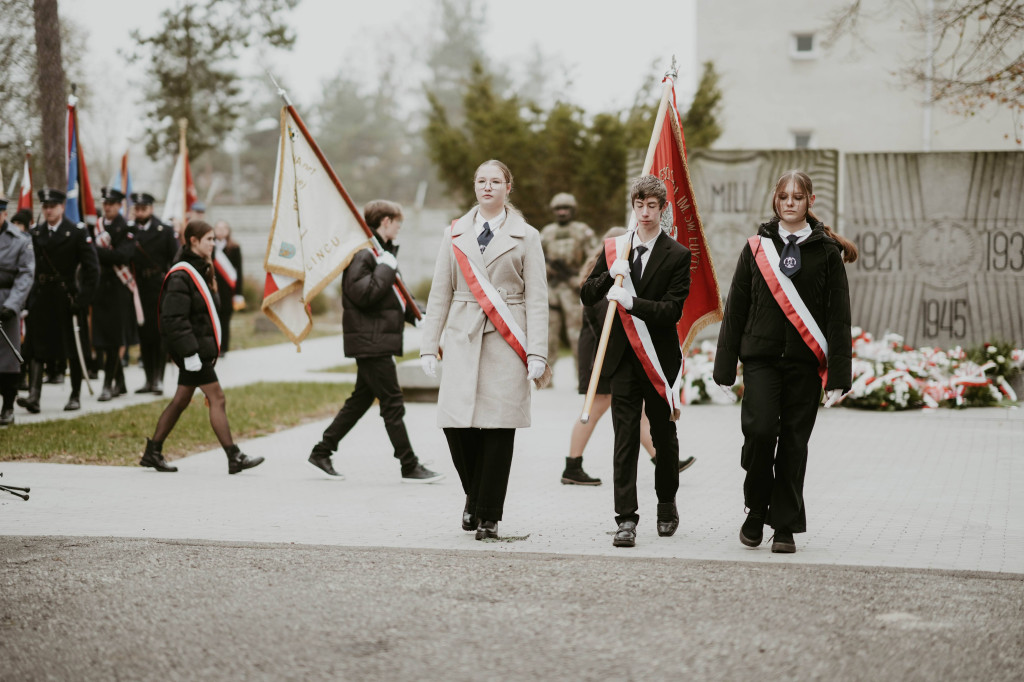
(643, 361)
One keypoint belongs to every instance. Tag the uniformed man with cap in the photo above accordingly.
(155, 248)
(567, 244)
(61, 247)
(17, 268)
(113, 310)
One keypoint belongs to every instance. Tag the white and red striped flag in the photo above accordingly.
(25, 199)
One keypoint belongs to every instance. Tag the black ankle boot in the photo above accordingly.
(668, 519)
(575, 475)
(239, 461)
(154, 457)
(752, 530)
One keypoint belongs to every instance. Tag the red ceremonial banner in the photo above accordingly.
(704, 304)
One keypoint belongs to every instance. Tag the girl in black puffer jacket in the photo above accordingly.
(191, 330)
(782, 376)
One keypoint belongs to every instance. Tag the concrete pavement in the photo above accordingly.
(925, 490)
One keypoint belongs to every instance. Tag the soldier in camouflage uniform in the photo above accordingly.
(567, 243)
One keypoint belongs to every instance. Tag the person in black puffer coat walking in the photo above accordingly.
(191, 330)
(797, 260)
(373, 319)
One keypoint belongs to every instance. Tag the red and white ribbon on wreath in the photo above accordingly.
(640, 336)
(493, 305)
(204, 291)
(788, 298)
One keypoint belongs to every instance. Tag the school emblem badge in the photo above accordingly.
(789, 262)
(287, 250)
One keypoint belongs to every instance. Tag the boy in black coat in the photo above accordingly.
(659, 270)
(373, 318)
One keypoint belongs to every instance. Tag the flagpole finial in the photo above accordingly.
(182, 124)
(280, 91)
(673, 70)
(28, 145)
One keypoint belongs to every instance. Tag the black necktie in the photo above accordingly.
(789, 262)
(485, 236)
(636, 270)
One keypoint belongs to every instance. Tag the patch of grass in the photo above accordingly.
(255, 330)
(119, 437)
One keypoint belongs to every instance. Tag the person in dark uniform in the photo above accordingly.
(191, 328)
(155, 249)
(17, 268)
(373, 319)
(229, 278)
(113, 310)
(658, 274)
(782, 373)
(61, 247)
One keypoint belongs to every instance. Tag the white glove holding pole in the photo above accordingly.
(535, 368)
(619, 267)
(833, 396)
(193, 363)
(620, 296)
(429, 364)
(388, 259)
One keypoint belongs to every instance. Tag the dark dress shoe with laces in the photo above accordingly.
(783, 542)
(72, 404)
(323, 462)
(469, 522)
(668, 519)
(7, 416)
(487, 530)
(752, 531)
(625, 536)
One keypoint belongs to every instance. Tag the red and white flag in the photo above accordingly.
(182, 191)
(314, 234)
(25, 199)
(704, 303)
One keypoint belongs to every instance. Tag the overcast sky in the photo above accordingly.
(606, 47)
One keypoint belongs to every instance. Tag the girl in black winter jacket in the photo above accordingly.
(790, 350)
(190, 327)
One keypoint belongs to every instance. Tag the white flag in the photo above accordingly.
(313, 236)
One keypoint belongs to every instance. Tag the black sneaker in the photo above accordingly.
(323, 462)
(420, 474)
(783, 542)
(752, 531)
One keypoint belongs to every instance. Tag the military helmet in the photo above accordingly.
(563, 199)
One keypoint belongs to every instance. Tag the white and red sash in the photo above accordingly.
(226, 268)
(204, 291)
(640, 336)
(394, 287)
(788, 298)
(123, 272)
(490, 301)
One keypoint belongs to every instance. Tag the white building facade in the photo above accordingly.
(785, 88)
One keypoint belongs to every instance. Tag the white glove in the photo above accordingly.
(833, 396)
(535, 368)
(388, 259)
(429, 365)
(727, 390)
(620, 296)
(619, 267)
(193, 363)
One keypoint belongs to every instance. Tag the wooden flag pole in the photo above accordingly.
(182, 154)
(344, 194)
(602, 346)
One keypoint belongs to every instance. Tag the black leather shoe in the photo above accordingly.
(158, 388)
(105, 395)
(783, 542)
(324, 462)
(752, 531)
(469, 522)
(153, 457)
(487, 530)
(668, 519)
(239, 461)
(72, 404)
(625, 536)
(685, 464)
(29, 404)
(146, 388)
(7, 416)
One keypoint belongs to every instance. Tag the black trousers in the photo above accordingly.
(631, 392)
(224, 313)
(9, 388)
(780, 404)
(151, 349)
(375, 378)
(483, 458)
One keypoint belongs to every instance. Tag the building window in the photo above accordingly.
(803, 139)
(803, 46)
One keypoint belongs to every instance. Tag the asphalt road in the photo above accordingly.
(126, 609)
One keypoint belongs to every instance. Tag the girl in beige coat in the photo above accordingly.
(485, 392)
